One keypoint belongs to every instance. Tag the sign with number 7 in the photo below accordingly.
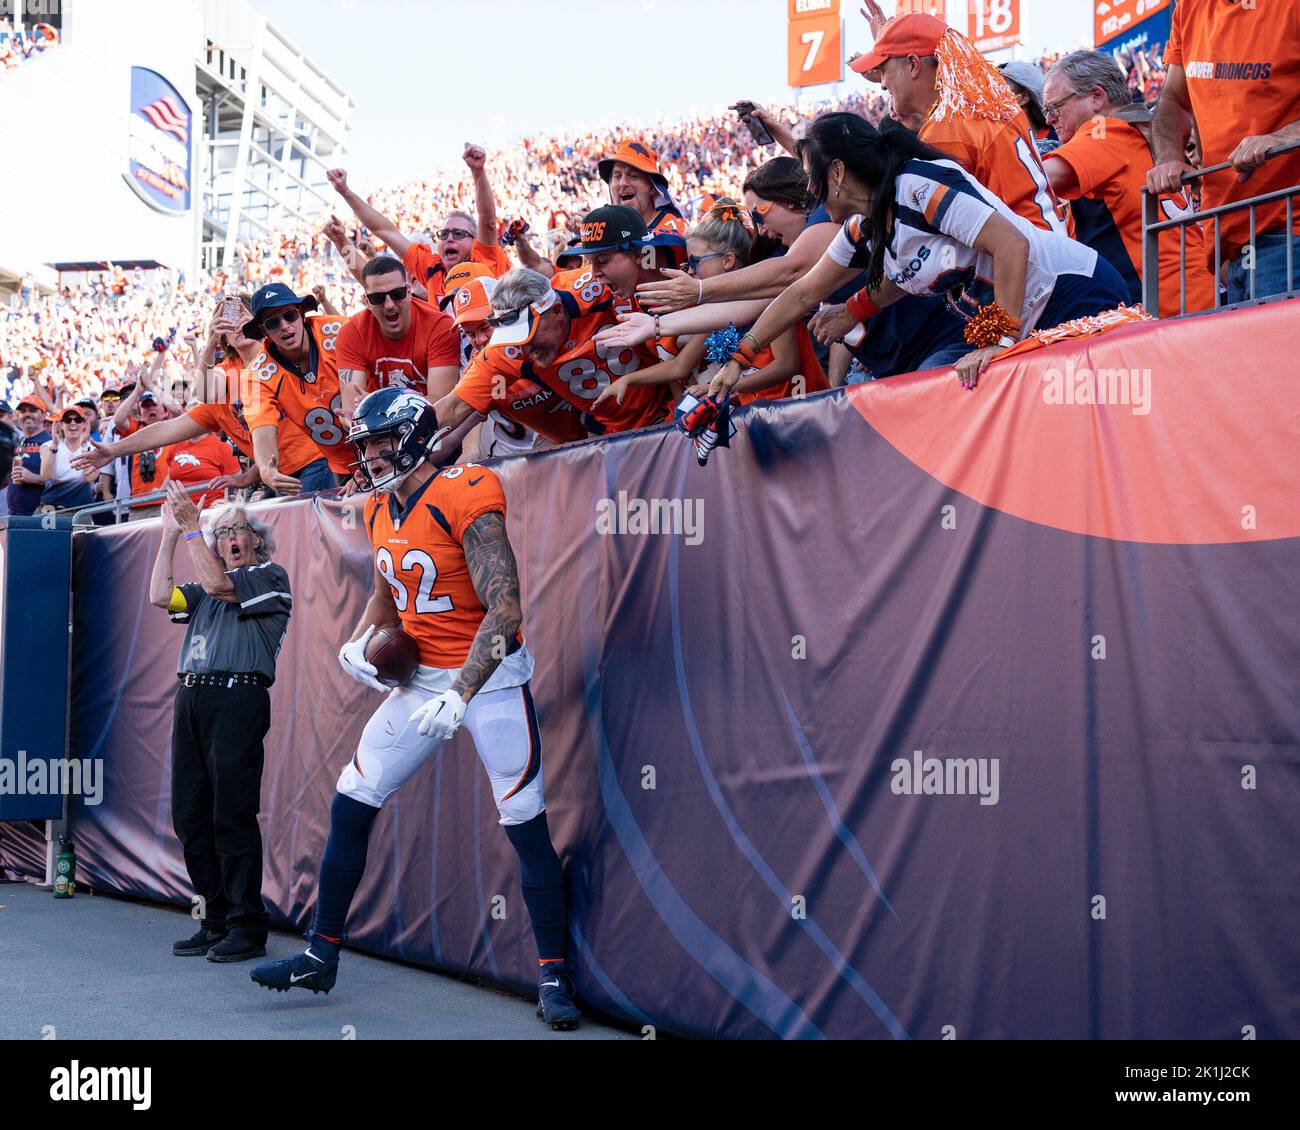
(814, 50)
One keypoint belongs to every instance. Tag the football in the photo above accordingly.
(394, 655)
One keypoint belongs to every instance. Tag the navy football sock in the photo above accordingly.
(542, 879)
(342, 865)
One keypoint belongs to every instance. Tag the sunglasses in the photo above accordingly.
(454, 233)
(761, 210)
(288, 318)
(509, 318)
(398, 294)
(223, 532)
(693, 262)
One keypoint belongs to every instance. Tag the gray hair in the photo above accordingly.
(517, 289)
(1085, 69)
(470, 222)
(264, 540)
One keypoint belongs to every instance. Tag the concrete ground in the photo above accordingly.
(96, 967)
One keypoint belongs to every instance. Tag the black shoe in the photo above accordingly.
(240, 944)
(555, 997)
(199, 944)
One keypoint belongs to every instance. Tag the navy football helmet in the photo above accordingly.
(412, 421)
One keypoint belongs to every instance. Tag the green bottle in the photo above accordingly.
(65, 870)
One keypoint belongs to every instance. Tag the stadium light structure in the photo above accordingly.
(273, 123)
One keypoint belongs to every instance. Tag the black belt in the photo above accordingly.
(223, 679)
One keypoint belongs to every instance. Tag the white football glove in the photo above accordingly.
(440, 717)
(352, 657)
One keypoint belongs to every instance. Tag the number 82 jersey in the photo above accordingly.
(418, 552)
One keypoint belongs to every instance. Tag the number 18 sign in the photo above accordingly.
(814, 43)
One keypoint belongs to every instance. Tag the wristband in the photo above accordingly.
(699, 298)
(861, 307)
(658, 334)
(193, 534)
(1006, 342)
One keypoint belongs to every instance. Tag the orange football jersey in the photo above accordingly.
(418, 552)
(542, 411)
(303, 408)
(581, 371)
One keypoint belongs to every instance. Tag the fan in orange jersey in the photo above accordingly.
(398, 342)
(460, 239)
(1104, 158)
(445, 573)
(546, 330)
(527, 410)
(290, 394)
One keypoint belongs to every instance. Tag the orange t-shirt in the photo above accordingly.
(199, 460)
(1003, 158)
(1110, 161)
(304, 409)
(432, 342)
(424, 264)
(226, 418)
(1243, 79)
(418, 552)
(581, 371)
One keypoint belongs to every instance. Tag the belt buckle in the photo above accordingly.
(191, 679)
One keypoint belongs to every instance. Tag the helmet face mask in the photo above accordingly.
(412, 423)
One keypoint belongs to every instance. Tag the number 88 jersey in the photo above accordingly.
(303, 409)
(418, 554)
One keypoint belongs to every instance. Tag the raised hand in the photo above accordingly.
(474, 156)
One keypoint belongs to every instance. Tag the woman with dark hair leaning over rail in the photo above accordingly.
(918, 223)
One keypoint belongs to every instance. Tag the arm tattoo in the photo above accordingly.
(491, 564)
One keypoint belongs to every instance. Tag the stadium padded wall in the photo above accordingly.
(1094, 602)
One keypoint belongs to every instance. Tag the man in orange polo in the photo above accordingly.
(1102, 164)
(1235, 69)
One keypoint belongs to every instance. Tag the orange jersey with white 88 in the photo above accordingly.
(304, 411)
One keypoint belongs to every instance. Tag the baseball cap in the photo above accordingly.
(913, 34)
(1028, 76)
(519, 327)
(473, 301)
(617, 227)
(72, 410)
(6, 409)
(273, 297)
(148, 396)
(87, 402)
(32, 403)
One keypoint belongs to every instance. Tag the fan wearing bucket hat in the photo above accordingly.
(527, 410)
(397, 341)
(635, 182)
(290, 393)
(545, 331)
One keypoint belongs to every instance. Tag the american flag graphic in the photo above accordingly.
(167, 114)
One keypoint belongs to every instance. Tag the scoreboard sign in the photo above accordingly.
(159, 152)
(814, 43)
(1112, 19)
(993, 25)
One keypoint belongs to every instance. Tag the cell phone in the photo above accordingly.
(230, 309)
(757, 129)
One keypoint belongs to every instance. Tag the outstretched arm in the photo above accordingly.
(485, 201)
(372, 218)
(492, 569)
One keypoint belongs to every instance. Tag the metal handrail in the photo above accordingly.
(1153, 226)
(118, 505)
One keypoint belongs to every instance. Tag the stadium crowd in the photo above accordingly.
(582, 284)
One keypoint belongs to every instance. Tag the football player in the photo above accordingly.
(445, 573)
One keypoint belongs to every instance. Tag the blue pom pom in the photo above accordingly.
(721, 344)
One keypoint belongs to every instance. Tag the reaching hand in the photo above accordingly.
(831, 323)
(725, 379)
(616, 389)
(281, 483)
(98, 455)
(169, 519)
(677, 291)
(183, 507)
(632, 330)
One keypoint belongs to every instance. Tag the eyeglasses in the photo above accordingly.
(223, 532)
(397, 294)
(1053, 109)
(454, 233)
(693, 262)
(509, 318)
(288, 318)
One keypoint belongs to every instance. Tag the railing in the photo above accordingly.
(120, 506)
(1153, 225)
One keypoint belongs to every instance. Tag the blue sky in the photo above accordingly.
(428, 75)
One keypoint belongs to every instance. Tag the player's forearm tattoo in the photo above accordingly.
(492, 568)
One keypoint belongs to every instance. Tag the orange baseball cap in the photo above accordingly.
(913, 34)
(461, 274)
(473, 301)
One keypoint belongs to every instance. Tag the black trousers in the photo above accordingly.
(217, 755)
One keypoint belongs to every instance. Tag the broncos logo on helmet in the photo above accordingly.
(412, 422)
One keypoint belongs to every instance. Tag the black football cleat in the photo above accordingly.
(555, 997)
(315, 969)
